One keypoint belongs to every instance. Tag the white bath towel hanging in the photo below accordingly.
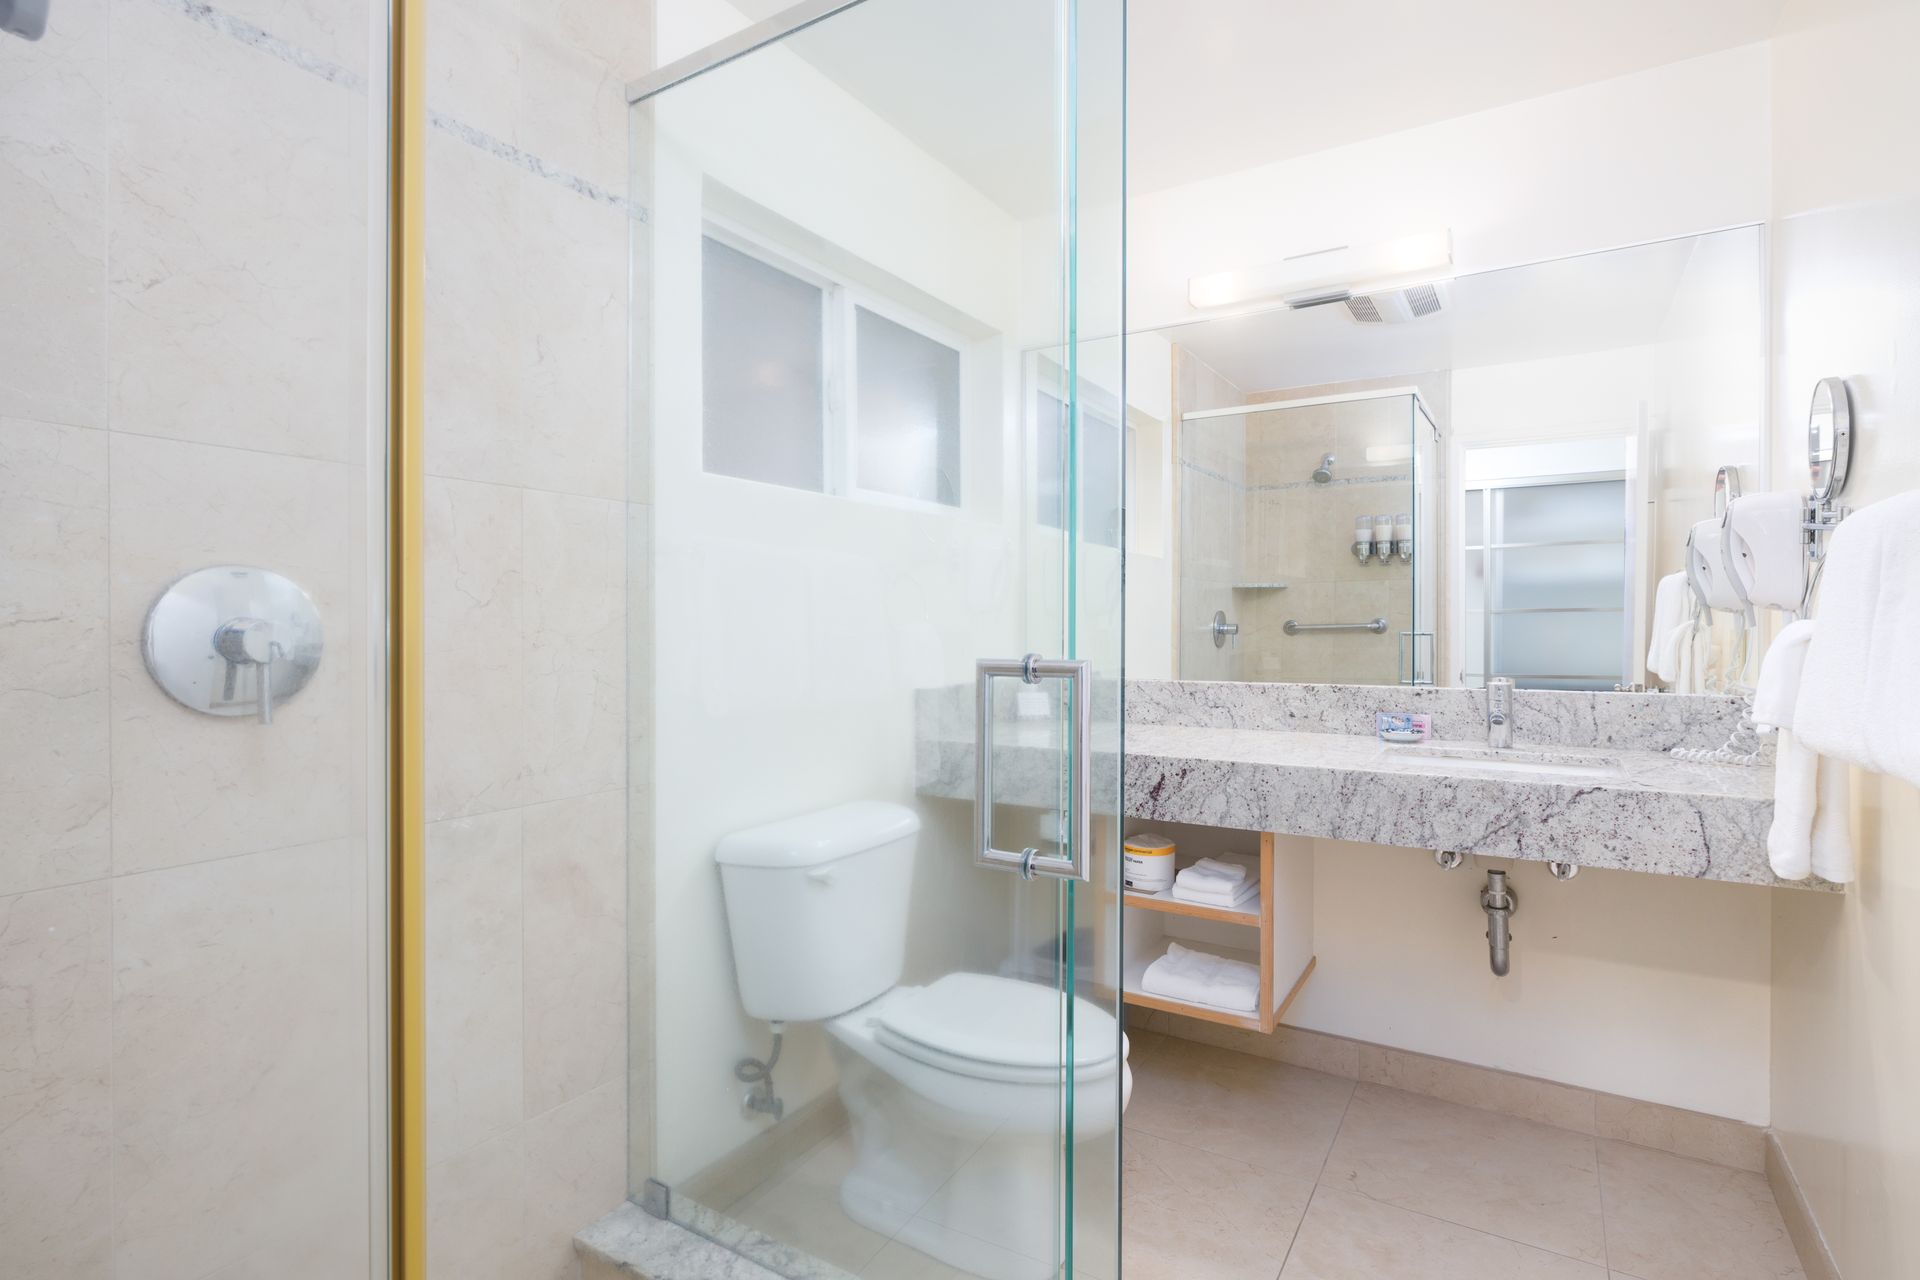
(1860, 697)
(1664, 632)
(1810, 833)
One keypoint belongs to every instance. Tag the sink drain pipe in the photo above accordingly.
(1499, 902)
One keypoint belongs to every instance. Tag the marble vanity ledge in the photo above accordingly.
(1542, 717)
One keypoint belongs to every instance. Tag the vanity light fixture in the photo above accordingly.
(1330, 275)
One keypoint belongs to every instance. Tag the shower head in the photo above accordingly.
(1323, 474)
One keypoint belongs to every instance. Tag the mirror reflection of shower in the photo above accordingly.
(1323, 474)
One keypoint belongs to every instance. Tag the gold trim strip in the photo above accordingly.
(406, 834)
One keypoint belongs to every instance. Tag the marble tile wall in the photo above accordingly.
(527, 542)
(184, 902)
(186, 919)
(527, 593)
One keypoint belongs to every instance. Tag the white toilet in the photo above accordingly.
(952, 1088)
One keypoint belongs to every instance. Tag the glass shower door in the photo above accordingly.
(876, 610)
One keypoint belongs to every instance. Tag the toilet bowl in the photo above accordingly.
(954, 1093)
(953, 1089)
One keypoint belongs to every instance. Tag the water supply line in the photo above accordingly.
(1499, 902)
(752, 1071)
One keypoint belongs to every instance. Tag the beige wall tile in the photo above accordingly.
(188, 786)
(575, 646)
(575, 931)
(1688, 1133)
(473, 66)
(241, 1081)
(575, 61)
(476, 1212)
(1528, 1181)
(572, 303)
(53, 187)
(1562, 1106)
(1314, 1050)
(237, 307)
(474, 982)
(54, 792)
(576, 1171)
(56, 1036)
(474, 664)
(340, 33)
(470, 360)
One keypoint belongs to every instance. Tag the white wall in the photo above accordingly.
(1645, 986)
(1677, 149)
(1846, 295)
(796, 626)
(1648, 987)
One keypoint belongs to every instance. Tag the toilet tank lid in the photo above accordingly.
(815, 838)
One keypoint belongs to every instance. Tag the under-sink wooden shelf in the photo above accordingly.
(1274, 933)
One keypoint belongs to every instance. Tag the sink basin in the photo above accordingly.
(1519, 760)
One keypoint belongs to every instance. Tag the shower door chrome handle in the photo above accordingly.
(1074, 861)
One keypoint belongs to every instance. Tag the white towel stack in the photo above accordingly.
(1810, 835)
(1217, 882)
(1857, 702)
(1199, 977)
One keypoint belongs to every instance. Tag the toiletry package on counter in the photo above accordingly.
(1403, 726)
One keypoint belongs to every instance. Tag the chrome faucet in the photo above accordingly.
(1500, 712)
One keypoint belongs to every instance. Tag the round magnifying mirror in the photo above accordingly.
(1829, 439)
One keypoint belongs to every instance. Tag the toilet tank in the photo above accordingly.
(817, 908)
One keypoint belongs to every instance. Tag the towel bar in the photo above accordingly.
(1293, 628)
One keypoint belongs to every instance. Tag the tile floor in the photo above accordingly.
(1240, 1168)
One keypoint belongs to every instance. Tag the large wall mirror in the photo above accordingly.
(1488, 476)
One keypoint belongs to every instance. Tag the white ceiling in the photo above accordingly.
(1216, 86)
(1595, 302)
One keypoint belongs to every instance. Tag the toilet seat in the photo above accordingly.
(992, 1028)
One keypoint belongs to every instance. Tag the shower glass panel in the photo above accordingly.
(877, 394)
(1277, 503)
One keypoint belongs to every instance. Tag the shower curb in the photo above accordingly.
(631, 1244)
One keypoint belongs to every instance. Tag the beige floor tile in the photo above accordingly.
(1349, 1237)
(1267, 1114)
(1671, 1218)
(1524, 1180)
(897, 1261)
(1188, 1213)
(803, 1209)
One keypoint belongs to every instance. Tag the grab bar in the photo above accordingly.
(1293, 628)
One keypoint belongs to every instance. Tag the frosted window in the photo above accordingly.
(1559, 646)
(907, 413)
(1101, 465)
(1583, 512)
(763, 341)
(1587, 576)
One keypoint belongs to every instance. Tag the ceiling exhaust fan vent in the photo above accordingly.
(1397, 306)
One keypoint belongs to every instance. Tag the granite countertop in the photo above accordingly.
(1613, 800)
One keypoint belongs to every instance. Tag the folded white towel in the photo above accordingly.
(1198, 977)
(1211, 873)
(1780, 675)
(1230, 896)
(1861, 686)
(1663, 633)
